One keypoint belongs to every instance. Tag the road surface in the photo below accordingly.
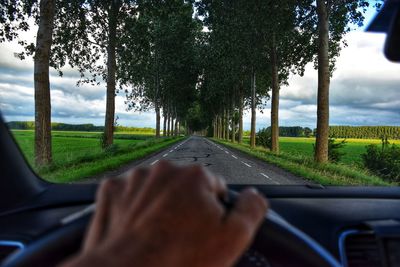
(235, 167)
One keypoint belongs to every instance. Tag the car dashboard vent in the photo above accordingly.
(360, 249)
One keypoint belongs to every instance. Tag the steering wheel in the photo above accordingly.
(277, 243)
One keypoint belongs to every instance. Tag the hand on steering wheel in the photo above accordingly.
(173, 216)
(170, 215)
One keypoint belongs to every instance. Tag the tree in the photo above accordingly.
(333, 19)
(235, 61)
(43, 151)
(307, 132)
(289, 48)
(14, 16)
(159, 60)
(321, 147)
(90, 38)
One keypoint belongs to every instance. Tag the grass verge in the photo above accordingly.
(102, 162)
(303, 166)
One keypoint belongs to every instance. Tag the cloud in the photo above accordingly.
(365, 90)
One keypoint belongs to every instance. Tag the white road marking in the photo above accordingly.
(165, 155)
(246, 164)
(154, 162)
(233, 156)
(171, 151)
(266, 176)
(269, 178)
(226, 152)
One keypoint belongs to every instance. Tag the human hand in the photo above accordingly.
(169, 216)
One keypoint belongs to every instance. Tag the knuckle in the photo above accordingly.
(135, 173)
(198, 175)
(262, 203)
(162, 165)
(130, 173)
(103, 189)
(258, 201)
(109, 185)
(106, 185)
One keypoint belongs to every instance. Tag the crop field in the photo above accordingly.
(297, 157)
(353, 149)
(77, 155)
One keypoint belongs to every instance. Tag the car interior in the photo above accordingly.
(42, 223)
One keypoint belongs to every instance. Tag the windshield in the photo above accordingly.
(258, 92)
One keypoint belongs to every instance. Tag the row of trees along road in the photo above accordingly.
(146, 48)
(200, 63)
(249, 57)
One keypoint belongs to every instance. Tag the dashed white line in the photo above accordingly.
(266, 176)
(165, 155)
(154, 162)
(233, 156)
(171, 151)
(269, 178)
(226, 152)
(246, 164)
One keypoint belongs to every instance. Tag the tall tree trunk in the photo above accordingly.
(220, 127)
(42, 83)
(223, 125)
(241, 104)
(176, 127)
(156, 100)
(168, 123)
(253, 111)
(165, 123)
(275, 99)
(321, 151)
(172, 125)
(158, 119)
(111, 71)
(233, 129)
(214, 127)
(227, 125)
(217, 123)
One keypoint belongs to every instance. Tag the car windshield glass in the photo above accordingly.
(258, 92)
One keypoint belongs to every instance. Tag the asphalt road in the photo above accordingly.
(235, 167)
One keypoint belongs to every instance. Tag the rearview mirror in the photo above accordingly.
(388, 21)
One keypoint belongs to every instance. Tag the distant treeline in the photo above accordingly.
(366, 132)
(295, 131)
(55, 126)
(358, 132)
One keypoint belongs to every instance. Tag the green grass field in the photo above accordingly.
(299, 146)
(77, 155)
(297, 159)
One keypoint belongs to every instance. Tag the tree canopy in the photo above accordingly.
(199, 64)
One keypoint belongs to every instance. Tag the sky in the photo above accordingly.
(365, 90)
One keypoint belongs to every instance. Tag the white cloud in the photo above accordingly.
(365, 90)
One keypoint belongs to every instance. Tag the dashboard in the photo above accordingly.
(359, 231)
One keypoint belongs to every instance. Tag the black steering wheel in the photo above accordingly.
(277, 243)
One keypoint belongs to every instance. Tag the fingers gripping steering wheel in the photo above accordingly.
(279, 242)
